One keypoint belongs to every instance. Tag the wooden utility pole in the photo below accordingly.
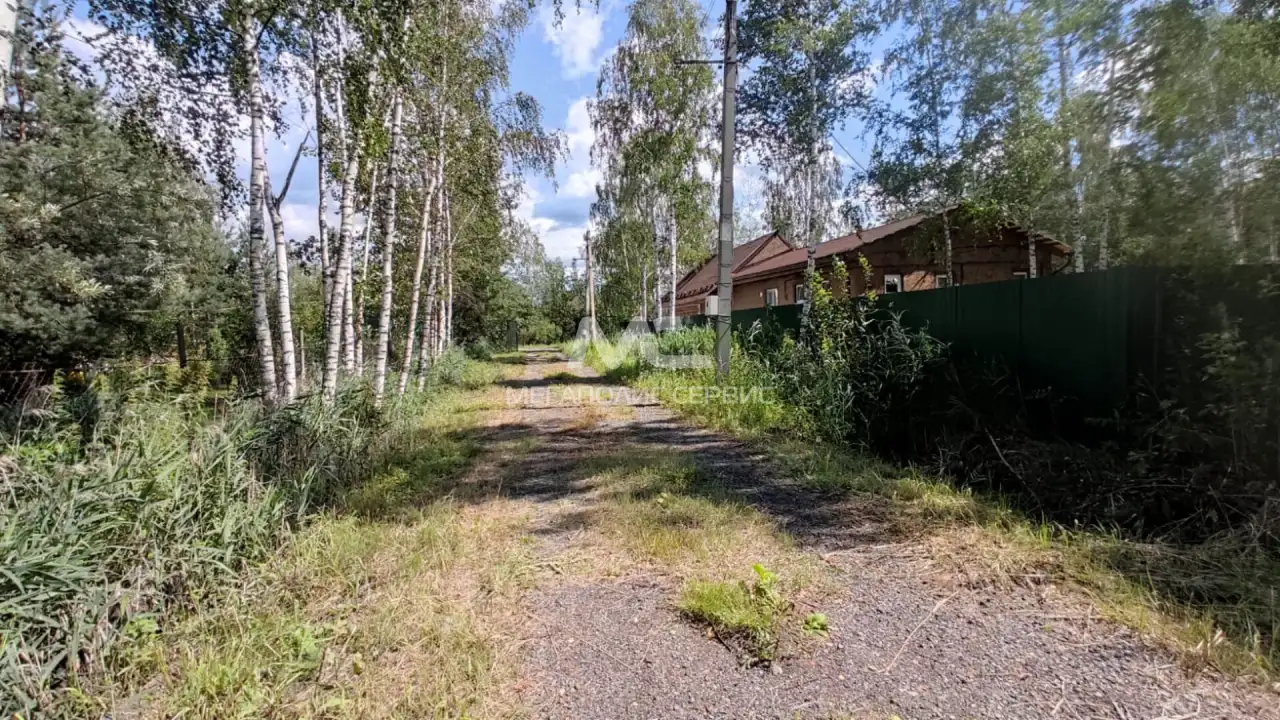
(724, 288)
(591, 289)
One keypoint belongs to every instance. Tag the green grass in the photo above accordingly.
(749, 613)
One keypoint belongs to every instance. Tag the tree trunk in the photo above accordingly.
(644, 289)
(357, 318)
(322, 203)
(430, 325)
(447, 330)
(673, 230)
(341, 276)
(388, 253)
(1074, 196)
(946, 247)
(257, 172)
(591, 290)
(284, 310)
(424, 242)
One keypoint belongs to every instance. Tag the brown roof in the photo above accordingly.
(702, 279)
(799, 257)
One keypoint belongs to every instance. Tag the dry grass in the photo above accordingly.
(362, 620)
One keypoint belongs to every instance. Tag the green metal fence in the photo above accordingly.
(1086, 335)
(1089, 335)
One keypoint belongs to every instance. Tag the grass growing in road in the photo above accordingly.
(666, 514)
(749, 613)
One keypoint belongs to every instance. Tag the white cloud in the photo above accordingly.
(575, 39)
(582, 184)
(578, 130)
(564, 243)
(560, 241)
(301, 221)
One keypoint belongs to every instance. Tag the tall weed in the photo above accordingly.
(123, 504)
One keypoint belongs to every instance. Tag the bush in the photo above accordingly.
(479, 350)
(855, 373)
(456, 368)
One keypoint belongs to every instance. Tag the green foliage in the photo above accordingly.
(749, 613)
(457, 368)
(816, 624)
(854, 373)
(107, 237)
(651, 117)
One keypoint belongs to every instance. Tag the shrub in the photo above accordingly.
(479, 350)
(854, 373)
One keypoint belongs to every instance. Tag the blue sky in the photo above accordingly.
(555, 62)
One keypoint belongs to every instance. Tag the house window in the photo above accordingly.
(771, 297)
(892, 282)
(802, 294)
(944, 281)
(1019, 275)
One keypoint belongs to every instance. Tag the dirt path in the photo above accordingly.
(602, 638)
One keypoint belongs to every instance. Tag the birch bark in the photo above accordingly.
(388, 254)
(257, 171)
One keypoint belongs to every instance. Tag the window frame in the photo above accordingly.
(884, 283)
(774, 292)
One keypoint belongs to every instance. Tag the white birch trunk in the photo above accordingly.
(591, 290)
(415, 292)
(675, 228)
(257, 172)
(430, 325)
(388, 254)
(322, 203)
(357, 318)
(447, 330)
(284, 310)
(341, 277)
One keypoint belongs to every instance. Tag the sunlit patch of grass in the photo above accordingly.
(750, 613)
(361, 619)
(664, 513)
(744, 403)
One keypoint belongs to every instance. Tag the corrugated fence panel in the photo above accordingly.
(1087, 335)
(934, 310)
(1075, 334)
(989, 320)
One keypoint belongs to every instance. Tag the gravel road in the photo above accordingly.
(906, 640)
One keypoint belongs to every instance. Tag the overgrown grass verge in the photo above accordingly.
(128, 508)
(1215, 604)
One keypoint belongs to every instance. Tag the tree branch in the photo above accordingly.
(288, 179)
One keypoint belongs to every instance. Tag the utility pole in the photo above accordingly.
(591, 289)
(724, 288)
